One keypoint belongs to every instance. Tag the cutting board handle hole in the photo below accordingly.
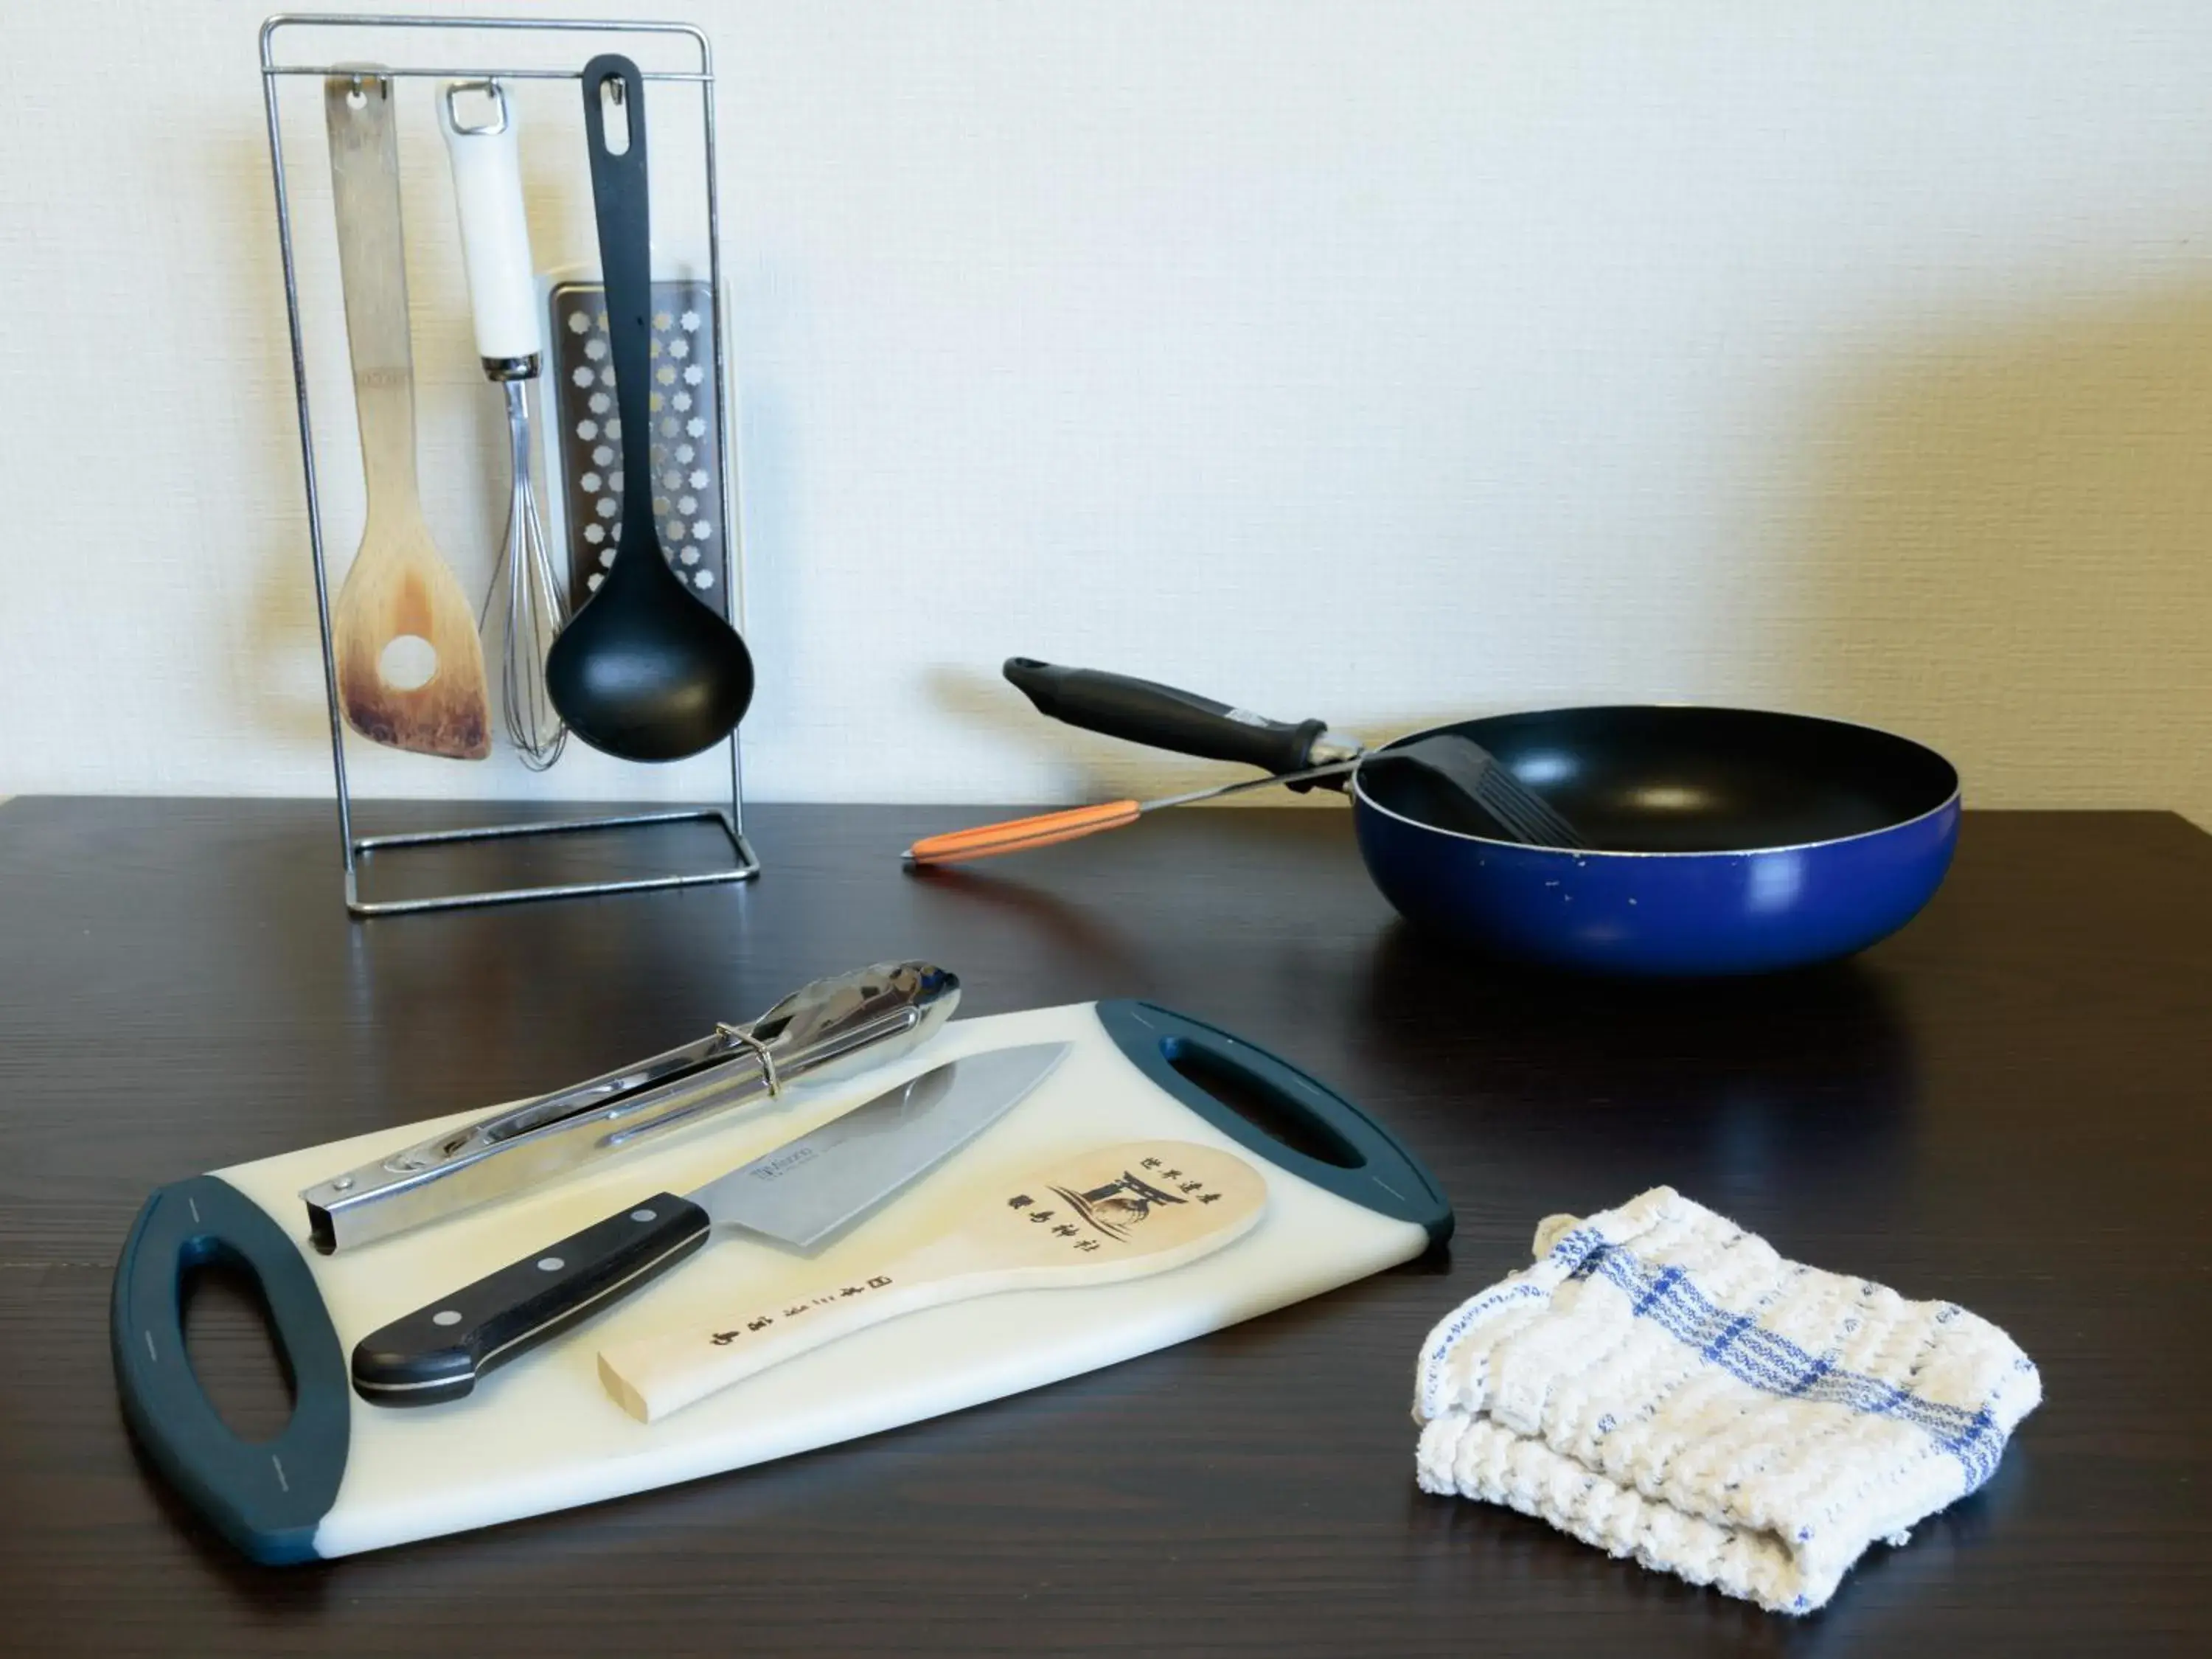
(233, 1348)
(1261, 1103)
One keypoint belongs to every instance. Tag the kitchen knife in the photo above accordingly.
(799, 1195)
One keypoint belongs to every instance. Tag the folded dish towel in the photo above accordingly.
(1662, 1384)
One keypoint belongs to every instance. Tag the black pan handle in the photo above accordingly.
(437, 1353)
(1162, 717)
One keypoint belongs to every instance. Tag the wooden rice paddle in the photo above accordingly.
(1093, 1217)
(427, 695)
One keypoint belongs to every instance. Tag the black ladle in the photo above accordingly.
(645, 671)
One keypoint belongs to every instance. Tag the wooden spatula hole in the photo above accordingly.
(241, 1366)
(1260, 1104)
(407, 663)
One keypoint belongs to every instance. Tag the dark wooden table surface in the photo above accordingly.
(2005, 1105)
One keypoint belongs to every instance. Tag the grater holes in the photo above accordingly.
(679, 449)
(703, 578)
(582, 377)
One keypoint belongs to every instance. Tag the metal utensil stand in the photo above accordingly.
(358, 848)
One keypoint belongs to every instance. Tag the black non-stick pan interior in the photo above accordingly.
(1690, 779)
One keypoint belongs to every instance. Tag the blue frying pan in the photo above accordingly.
(1721, 841)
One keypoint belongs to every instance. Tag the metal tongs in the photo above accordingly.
(831, 1028)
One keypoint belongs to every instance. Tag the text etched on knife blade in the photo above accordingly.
(785, 1162)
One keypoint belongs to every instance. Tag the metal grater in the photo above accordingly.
(686, 439)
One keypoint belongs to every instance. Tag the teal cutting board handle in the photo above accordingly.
(1326, 1140)
(265, 1497)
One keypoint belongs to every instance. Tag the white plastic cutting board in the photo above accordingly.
(542, 1434)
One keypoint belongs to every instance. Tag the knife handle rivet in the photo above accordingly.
(445, 1316)
(641, 1215)
(549, 1264)
(344, 1183)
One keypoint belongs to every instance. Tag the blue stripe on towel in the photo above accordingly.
(1748, 1351)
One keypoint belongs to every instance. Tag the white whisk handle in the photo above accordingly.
(487, 160)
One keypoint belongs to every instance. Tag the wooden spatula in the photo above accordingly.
(410, 671)
(1112, 1213)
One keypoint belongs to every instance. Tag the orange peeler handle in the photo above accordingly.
(1019, 834)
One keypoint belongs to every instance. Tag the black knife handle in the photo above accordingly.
(437, 1353)
(1142, 711)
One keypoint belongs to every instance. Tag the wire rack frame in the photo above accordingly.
(358, 849)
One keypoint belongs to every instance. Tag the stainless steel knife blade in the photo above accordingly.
(808, 1189)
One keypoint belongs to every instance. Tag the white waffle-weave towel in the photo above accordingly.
(1662, 1384)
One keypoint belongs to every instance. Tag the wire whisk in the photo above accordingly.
(536, 608)
(482, 142)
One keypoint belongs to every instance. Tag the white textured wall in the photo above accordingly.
(1378, 361)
